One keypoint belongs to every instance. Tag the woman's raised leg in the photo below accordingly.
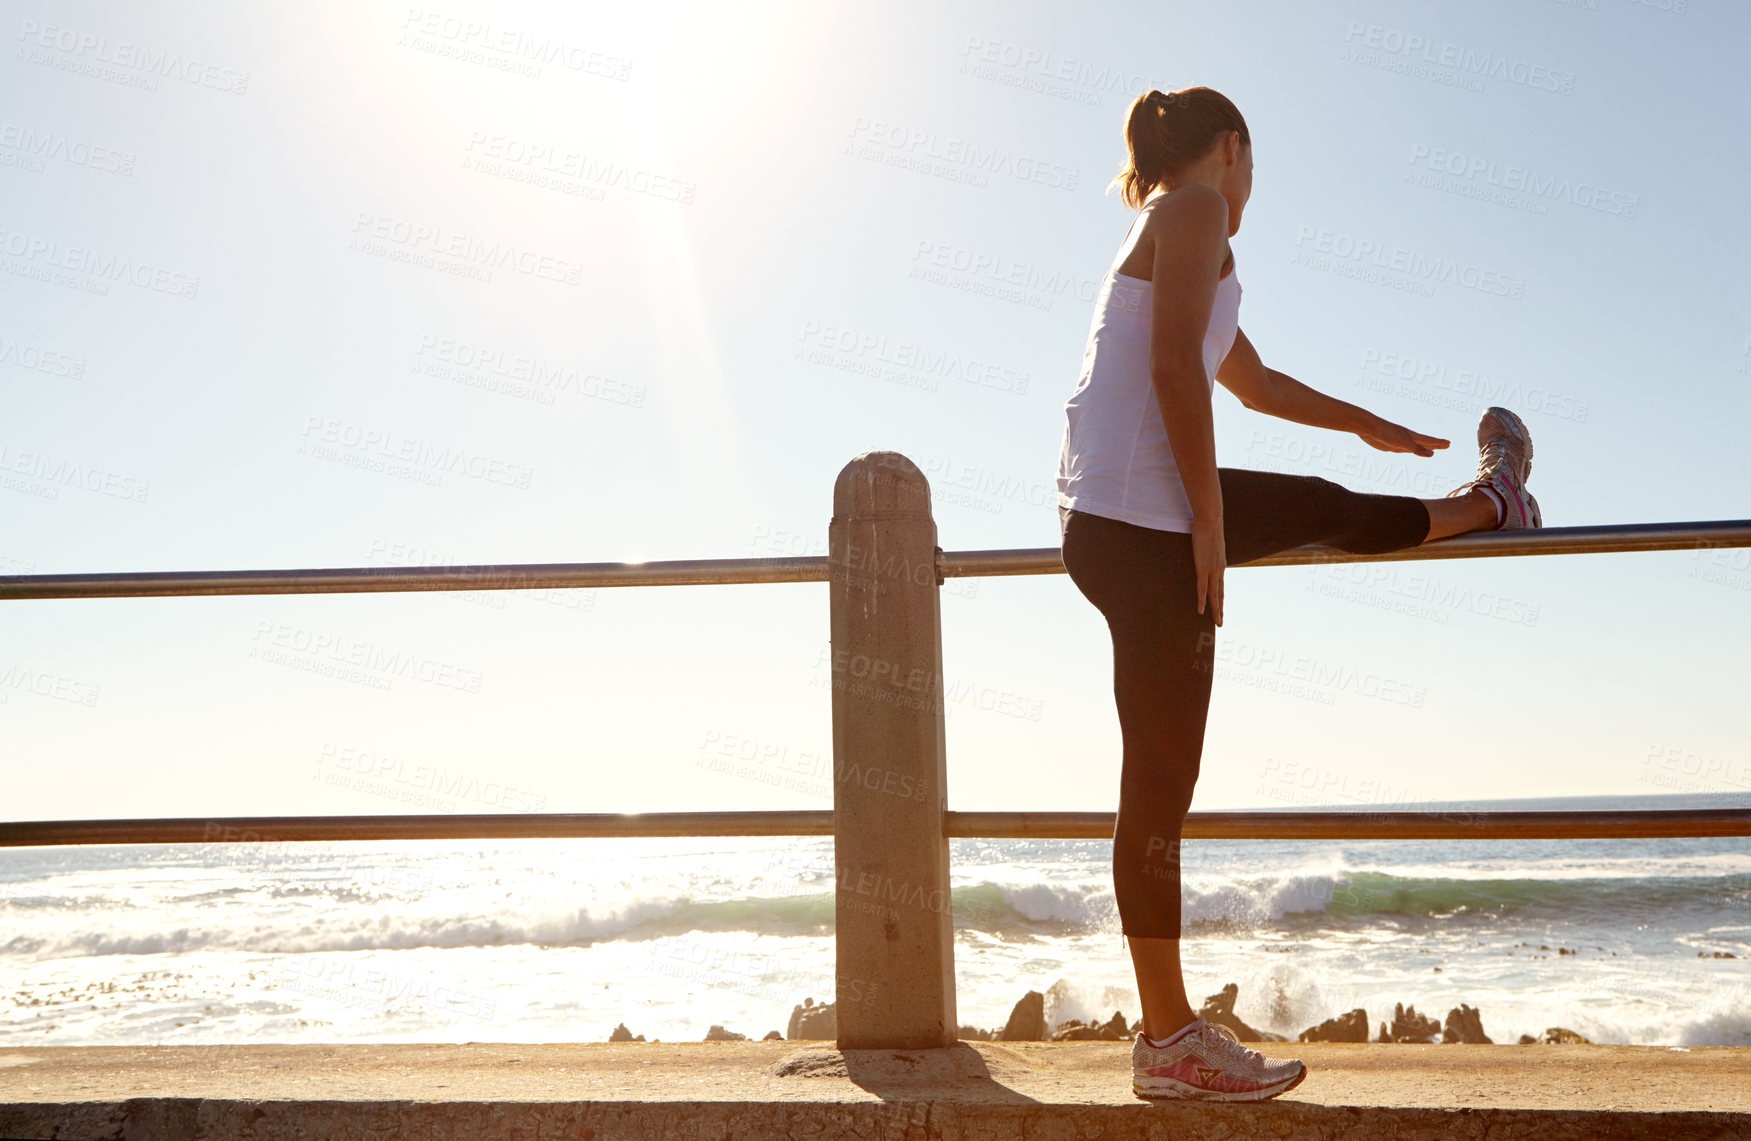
(1473, 511)
(1264, 512)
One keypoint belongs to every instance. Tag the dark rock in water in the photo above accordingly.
(1219, 1011)
(719, 1034)
(773, 1036)
(973, 1034)
(1351, 1027)
(1555, 1036)
(1027, 1022)
(1562, 1036)
(812, 1020)
(1409, 1026)
(1465, 1025)
(1113, 1029)
(622, 1034)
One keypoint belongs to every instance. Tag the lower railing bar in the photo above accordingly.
(448, 826)
(1449, 824)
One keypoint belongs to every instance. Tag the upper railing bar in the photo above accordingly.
(817, 568)
(354, 580)
(1448, 824)
(1471, 545)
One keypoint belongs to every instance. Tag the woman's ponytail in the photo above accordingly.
(1165, 132)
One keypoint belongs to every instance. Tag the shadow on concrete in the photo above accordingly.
(958, 1072)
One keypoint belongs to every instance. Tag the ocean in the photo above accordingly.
(560, 940)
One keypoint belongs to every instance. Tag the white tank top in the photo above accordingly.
(1116, 460)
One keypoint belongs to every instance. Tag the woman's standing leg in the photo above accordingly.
(1143, 583)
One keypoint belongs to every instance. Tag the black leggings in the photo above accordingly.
(1142, 581)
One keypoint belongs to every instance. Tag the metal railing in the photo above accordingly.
(883, 569)
(817, 568)
(1457, 823)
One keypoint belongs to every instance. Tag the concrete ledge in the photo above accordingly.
(969, 1092)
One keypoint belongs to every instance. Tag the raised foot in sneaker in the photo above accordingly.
(1504, 462)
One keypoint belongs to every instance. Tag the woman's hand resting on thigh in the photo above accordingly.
(1209, 558)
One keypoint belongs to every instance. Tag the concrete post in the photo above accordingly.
(894, 933)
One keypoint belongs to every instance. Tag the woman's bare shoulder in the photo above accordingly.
(1194, 213)
(1193, 203)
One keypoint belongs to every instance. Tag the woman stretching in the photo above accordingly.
(1149, 522)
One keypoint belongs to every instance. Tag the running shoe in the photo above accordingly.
(1504, 462)
(1207, 1063)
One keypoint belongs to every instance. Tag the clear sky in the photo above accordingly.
(342, 284)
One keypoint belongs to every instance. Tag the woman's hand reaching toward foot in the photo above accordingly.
(1390, 437)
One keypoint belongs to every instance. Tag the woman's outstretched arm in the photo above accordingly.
(1281, 395)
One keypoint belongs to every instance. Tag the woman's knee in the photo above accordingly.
(1157, 784)
(1331, 496)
